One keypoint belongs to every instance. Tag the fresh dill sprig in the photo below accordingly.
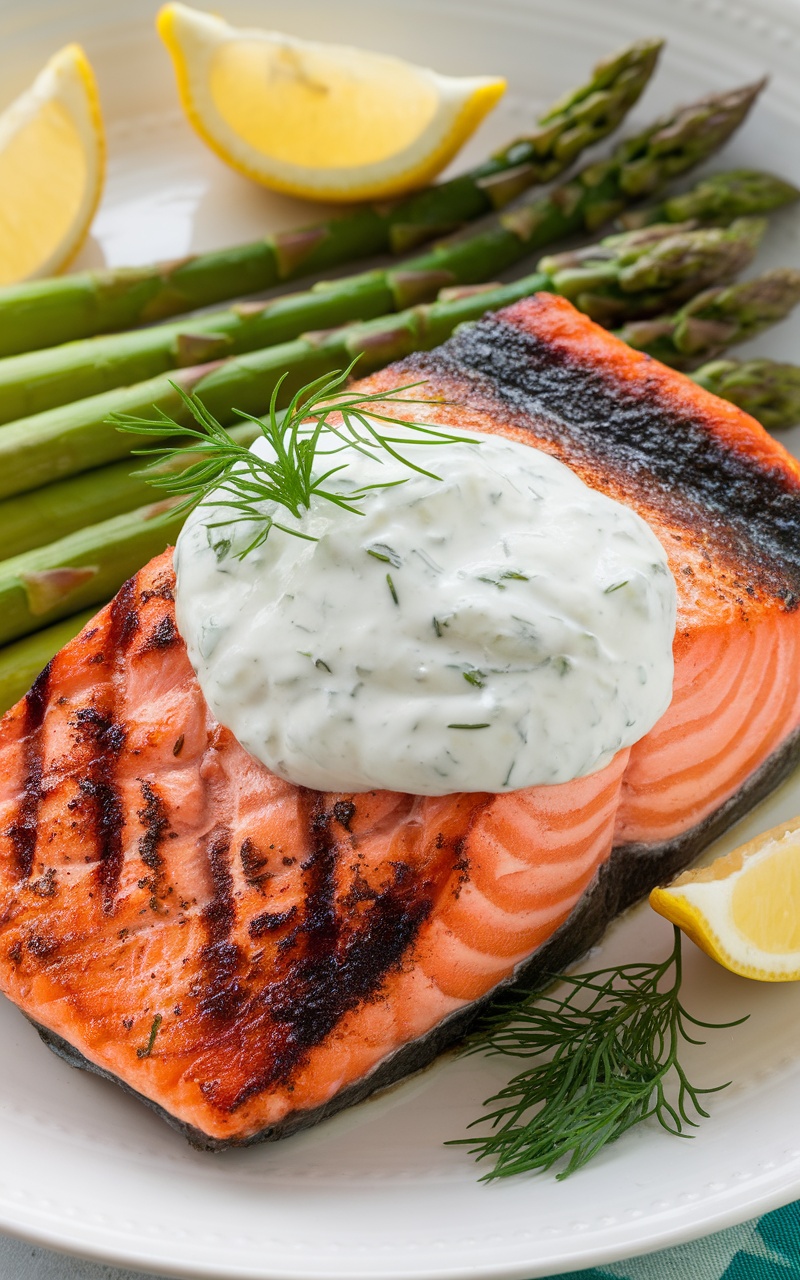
(605, 1057)
(289, 477)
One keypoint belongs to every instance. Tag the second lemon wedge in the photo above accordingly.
(52, 159)
(321, 121)
(744, 909)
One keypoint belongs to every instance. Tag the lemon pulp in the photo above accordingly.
(44, 157)
(765, 904)
(52, 155)
(289, 102)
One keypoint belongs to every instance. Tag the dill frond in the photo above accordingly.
(228, 475)
(605, 1056)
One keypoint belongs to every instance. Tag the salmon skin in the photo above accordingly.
(249, 956)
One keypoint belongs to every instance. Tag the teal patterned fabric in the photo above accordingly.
(767, 1248)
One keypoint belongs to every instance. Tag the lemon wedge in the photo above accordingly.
(317, 120)
(52, 161)
(744, 909)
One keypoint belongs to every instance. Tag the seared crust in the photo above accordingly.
(631, 427)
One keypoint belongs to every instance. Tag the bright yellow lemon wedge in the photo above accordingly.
(316, 120)
(744, 909)
(52, 161)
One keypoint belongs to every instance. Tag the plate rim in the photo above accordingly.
(695, 1221)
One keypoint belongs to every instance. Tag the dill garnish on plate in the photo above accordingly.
(605, 1056)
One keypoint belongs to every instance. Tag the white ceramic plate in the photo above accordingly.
(374, 1192)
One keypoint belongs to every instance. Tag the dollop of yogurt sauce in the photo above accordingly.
(498, 628)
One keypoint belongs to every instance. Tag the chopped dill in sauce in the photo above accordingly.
(492, 608)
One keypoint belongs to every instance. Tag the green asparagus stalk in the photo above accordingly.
(83, 569)
(636, 270)
(716, 319)
(30, 520)
(39, 380)
(21, 662)
(637, 273)
(717, 200)
(47, 312)
(766, 389)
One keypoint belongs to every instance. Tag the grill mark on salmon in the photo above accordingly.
(300, 1006)
(99, 728)
(255, 864)
(223, 993)
(23, 830)
(124, 619)
(270, 922)
(154, 820)
(105, 737)
(106, 816)
(163, 636)
(335, 964)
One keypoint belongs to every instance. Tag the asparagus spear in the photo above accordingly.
(638, 272)
(718, 199)
(21, 662)
(635, 270)
(85, 568)
(766, 389)
(38, 380)
(29, 520)
(716, 319)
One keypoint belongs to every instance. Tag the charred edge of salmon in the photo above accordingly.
(628, 876)
(639, 431)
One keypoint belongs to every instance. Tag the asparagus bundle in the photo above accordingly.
(36, 381)
(638, 270)
(46, 312)
(716, 319)
(41, 586)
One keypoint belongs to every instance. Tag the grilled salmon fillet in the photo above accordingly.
(249, 956)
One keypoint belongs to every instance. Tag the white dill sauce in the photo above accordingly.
(501, 627)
